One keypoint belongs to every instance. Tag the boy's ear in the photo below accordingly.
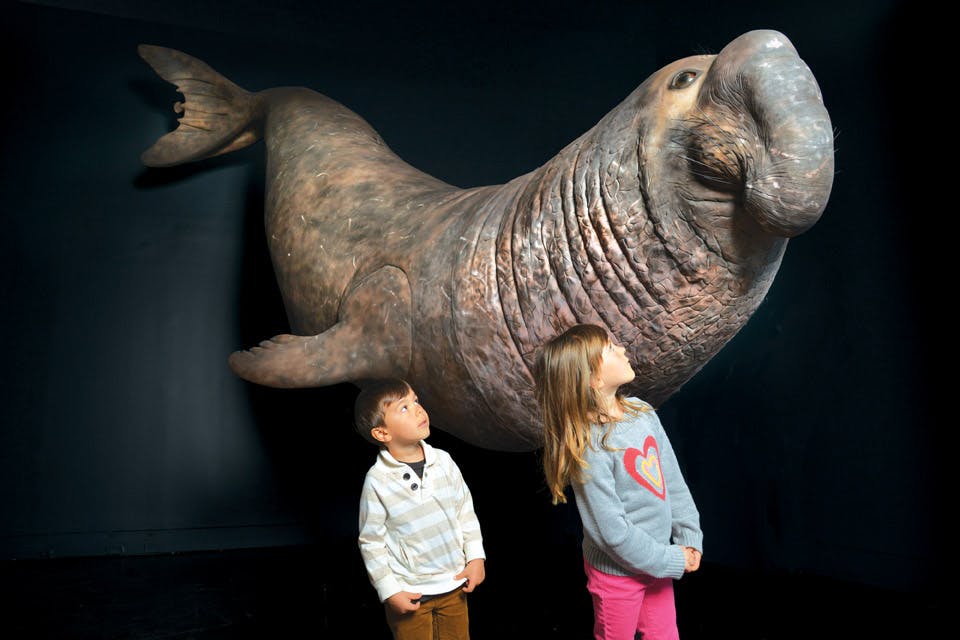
(380, 434)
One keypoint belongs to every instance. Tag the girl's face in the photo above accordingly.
(614, 370)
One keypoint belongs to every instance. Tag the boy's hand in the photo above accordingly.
(404, 602)
(474, 572)
(692, 558)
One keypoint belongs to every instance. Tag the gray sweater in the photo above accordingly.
(635, 506)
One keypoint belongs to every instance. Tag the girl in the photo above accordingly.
(641, 529)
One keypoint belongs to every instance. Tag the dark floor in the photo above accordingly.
(302, 592)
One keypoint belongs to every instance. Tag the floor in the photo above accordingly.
(301, 592)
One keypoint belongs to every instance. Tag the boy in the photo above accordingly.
(419, 536)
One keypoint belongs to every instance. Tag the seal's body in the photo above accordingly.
(666, 223)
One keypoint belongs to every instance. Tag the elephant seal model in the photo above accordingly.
(666, 223)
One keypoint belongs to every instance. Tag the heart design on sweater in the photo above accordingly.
(649, 474)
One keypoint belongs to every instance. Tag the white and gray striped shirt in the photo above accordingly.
(417, 534)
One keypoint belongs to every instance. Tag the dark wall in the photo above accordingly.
(809, 442)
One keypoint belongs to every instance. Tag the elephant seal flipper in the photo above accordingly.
(378, 306)
(216, 112)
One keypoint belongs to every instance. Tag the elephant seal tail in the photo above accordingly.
(217, 115)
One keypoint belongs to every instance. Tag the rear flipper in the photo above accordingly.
(218, 116)
(372, 339)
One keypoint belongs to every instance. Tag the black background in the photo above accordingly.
(811, 443)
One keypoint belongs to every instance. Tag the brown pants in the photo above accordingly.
(440, 618)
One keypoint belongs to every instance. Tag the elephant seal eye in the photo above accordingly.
(683, 79)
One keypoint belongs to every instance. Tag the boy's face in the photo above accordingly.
(405, 422)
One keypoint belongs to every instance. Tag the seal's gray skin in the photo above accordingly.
(665, 223)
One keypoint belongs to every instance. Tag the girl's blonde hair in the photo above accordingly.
(569, 405)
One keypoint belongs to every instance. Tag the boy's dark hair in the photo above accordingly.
(373, 399)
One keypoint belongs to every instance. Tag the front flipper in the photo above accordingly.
(372, 339)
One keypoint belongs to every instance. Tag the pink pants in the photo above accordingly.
(623, 605)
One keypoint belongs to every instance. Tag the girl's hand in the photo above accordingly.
(692, 558)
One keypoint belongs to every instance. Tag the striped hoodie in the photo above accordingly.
(417, 534)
